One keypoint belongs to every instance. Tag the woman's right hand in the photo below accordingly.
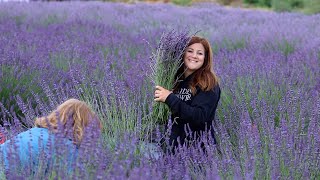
(161, 94)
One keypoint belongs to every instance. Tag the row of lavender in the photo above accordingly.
(268, 64)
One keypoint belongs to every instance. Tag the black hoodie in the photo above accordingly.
(197, 111)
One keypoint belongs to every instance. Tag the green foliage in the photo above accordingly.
(59, 61)
(297, 3)
(307, 6)
(244, 92)
(232, 44)
(3, 15)
(281, 45)
(312, 6)
(13, 83)
(262, 3)
(266, 3)
(251, 1)
(118, 116)
(164, 74)
(287, 5)
(225, 2)
(281, 5)
(63, 61)
(166, 61)
(54, 18)
(2, 173)
(286, 47)
(19, 19)
(182, 2)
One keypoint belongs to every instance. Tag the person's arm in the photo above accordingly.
(201, 109)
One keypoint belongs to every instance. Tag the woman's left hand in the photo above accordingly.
(161, 94)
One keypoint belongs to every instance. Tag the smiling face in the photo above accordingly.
(193, 58)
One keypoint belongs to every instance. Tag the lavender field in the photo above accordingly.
(267, 120)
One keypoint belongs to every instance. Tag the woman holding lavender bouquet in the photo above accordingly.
(195, 96)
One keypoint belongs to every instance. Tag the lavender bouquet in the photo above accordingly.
(166, 61)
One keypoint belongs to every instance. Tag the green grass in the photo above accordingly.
(118, 117)
(12, 84)
(2, 174)
(231, 44)
(19, 19)
(54, 19)
(286, 47)
(60, 61)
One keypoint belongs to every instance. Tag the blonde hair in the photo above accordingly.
(71, 110)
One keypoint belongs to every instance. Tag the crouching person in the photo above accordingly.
(54, 141)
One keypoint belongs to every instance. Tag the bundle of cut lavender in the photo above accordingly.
(166, 61)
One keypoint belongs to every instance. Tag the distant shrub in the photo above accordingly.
(251, 1)
(287, 5)
(225, 2)
(266, 3)
(312, 6)
(281, 5)
(308, 6)
(297, 3)
(182, 2)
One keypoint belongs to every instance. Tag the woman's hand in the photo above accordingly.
(161, 94)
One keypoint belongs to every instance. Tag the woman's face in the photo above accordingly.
(193, 58)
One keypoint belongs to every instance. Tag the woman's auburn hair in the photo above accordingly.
(75, 110)
(204, 78)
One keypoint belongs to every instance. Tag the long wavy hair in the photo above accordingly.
(73, 114)
(204, 78)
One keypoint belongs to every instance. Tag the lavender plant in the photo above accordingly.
(166, 60)
(268, 63)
